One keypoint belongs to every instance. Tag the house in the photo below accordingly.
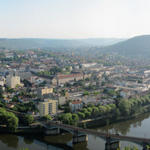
(62, 79)
(125, 93)
(75, 105)
(44, 91)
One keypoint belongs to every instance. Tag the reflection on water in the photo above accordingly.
(14, 142)
(125, 127)
(9, 140)
(28, 140)
(135, 127)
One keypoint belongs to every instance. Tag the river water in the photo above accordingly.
(136, 127)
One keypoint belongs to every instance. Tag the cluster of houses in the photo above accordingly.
(22, 76)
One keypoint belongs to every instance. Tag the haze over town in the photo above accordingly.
(74, 74)
(74, 19)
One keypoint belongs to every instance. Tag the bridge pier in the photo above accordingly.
(52, 131)
(78, 138)
(112, 144)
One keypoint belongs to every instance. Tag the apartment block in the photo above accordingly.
(13, 81)
(48, 107)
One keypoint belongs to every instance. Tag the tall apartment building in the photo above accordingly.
(48, 107)
(44, 91)
(13, 81)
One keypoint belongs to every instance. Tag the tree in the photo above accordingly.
(15, 99)
(102, 109)
(1, 92)
(66, 118)
(117, 113)
(75, 119)
(90, 109)
(87, 114)
(130, 148)
(95, 111)
(86, 93)
(47, 117)
(81, 115)
(124, 107)
(9, 119)
(27, 83)
(28, 119)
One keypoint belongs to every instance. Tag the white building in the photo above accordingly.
(87, 65)
(13, 81)
(76, 105)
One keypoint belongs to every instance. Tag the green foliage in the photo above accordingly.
(9, 90)
(28, 119)
(2, 104)
(81, 115)
(44, 73)
(21, 107)
(47, 117)
(124, 107)
(110, 92)
(90, 109)
(96, 93)
(75, 119)
(27, 83)
(133, 105)
(130, 148)
(66, 118)
(63, 92)
(52, 71)
(86, 93)
(8, 119)
(69, 118)
(1, 92)
(15, 99)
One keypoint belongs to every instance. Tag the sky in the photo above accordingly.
(74, 18)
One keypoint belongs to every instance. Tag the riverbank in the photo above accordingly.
(91, 123)
(135, 127)
(38, 133)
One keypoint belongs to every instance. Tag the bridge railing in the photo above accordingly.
(100, 134)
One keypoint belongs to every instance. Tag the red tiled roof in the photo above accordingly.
(69, 76)
(76, 102)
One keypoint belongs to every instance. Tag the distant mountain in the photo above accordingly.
(31, 43)
(136, 46)
(101, 41)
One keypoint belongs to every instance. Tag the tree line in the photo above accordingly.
(121, 108)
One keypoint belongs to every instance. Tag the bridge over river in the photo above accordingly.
(80, 134)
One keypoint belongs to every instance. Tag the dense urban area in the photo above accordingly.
(71, 88)
(39, 85)
(74, 75)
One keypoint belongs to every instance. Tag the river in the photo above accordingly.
(136, 127)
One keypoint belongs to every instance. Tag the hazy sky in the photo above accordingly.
(74, 18)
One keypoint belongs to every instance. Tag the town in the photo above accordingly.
(67, 87)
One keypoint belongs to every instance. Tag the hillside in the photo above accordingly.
(29, 43)
(136, 46)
